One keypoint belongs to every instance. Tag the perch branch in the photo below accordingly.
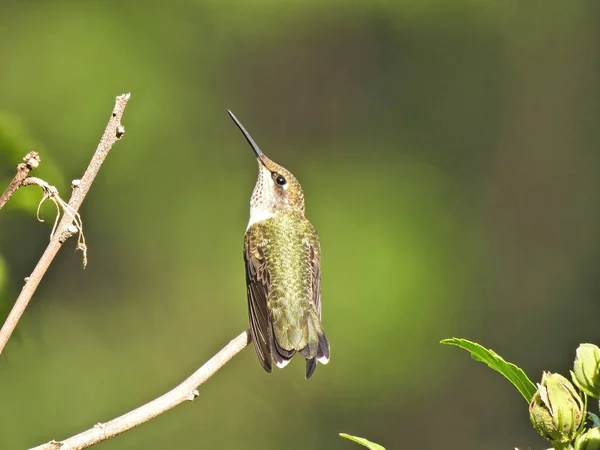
(186, 391)
(65, 229)
(31, 161)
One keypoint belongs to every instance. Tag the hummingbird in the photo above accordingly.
(283, 269)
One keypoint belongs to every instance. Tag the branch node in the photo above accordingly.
(31, 161)
(192, 395)
(120, 131)
(69, 232)
(75, 184)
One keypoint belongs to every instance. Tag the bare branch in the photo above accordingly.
(186, 391)
(31, 161)
(113, 132)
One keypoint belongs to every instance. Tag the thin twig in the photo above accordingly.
(186, 391)
(113, 132)
(31, 161)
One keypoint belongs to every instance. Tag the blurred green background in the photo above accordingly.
(449, 157)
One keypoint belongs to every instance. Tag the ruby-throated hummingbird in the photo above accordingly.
(283, 269)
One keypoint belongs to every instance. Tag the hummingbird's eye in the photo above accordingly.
(279, 179)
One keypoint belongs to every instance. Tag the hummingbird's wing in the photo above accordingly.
(314, 248)
(315, 257)
(257, 282)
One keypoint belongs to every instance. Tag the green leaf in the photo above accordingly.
(363, 441)
(511, 372)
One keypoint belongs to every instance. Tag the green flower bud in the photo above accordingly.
(590, 440)
(556, 410)
(586, 370)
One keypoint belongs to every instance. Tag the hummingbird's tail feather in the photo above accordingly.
(280, 355)
(311, 365)
(316, 350)
(323, 352)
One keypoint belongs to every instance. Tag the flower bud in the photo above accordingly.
(586, 370)
(590, 440)
(556, 410)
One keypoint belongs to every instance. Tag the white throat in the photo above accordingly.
(258, 216)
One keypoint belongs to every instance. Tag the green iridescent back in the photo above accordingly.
(288, 245)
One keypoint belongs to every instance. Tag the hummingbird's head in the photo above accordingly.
(276, 188)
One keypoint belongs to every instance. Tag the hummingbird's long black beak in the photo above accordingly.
(259, 154)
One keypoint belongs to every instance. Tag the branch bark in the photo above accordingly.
(31, 161)
(113, 132)
(186, 391)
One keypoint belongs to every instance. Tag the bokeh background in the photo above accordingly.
(449, 156)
